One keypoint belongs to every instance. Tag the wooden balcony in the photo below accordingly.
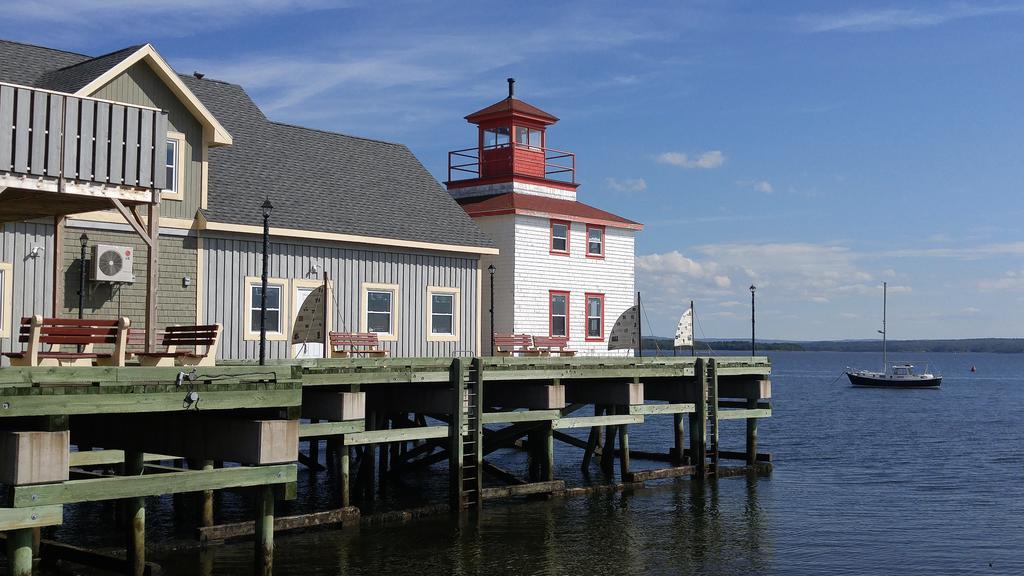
(62, 154)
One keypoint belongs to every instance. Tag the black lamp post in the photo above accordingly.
(753, 345)
(267, 209)
(492, 269)
(84, 241)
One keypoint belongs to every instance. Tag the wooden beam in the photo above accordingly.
(221, 532)
(31, 517)
(134, 402)
(106, 457)
(152, 272)
(531, 396)
(643, 475)
(96, 490)
(546, 487)
(587, 421)
(131, 218)
(334, 406)
(742, 413)
(662, 408)
(395, 435)
(57, 266)
(321, 429)
(33, 457)
(520, 416)
(603, 392)
(203, 436)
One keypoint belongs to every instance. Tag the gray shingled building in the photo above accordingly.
(402, 256)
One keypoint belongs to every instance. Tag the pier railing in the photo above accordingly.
(53, 134)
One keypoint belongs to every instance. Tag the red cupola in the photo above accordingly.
(511, 146)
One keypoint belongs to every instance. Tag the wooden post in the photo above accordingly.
(19, 551)
(314, 448)
(547, 463)
(593, 441)
(751, 434)
(264, 545)
(135, 517)
(699, 421)
(206, 508)
(152, 271)
(624, 449)
(58, 266)
(343, 454)
(383, 459)
(679, 433)
(456, 379)
(369, 462)
(608, 450)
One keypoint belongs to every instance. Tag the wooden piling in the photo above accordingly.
(456, 378)
(264, 545)
(206, 504)
(19, 551)
(679, 435)
(624, 449)
(751, 434)
(135, 517)
(343, 454)
(314, 448)
(608, 450)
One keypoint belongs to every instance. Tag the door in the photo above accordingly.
(305, 349)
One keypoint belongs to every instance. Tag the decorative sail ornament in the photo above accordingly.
(309, 322)
(684, 330)
(624, 334)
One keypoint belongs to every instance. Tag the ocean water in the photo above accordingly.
(866, 481)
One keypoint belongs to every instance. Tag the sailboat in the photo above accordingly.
(896, 376)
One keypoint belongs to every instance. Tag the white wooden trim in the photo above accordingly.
(395, 299)
(456, 294)
(247, 331)
(6, 309)
(179, 172)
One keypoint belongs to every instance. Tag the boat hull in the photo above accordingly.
(887, 382)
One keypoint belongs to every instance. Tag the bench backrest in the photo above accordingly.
(199, 335)
(513, 341)
(71, 331)
(550, 341)
(354, 339)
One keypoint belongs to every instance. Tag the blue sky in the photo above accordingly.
(814, 149)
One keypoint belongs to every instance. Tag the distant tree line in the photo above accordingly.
(997, 345)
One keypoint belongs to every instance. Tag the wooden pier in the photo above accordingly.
(380, 418)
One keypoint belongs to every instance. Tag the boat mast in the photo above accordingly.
(885, 362)
(693, 334)
(639, 330)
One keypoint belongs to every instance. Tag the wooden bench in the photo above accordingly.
(37, 331)
(205, 336)
(548, 345)
(512, 344)
(355, 343)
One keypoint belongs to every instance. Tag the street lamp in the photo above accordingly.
(753, 345)
(267, 209)
(491, 269)
(84, 241)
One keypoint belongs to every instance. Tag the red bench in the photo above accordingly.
(511, 344)
(204, 336)
(37, 331)
(548, 345)
(355, 343)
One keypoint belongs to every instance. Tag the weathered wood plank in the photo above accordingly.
(33, 457)
(38, 159)
(546, 487)
(124, 403)
(146, 148)
(348, 514)
(131, 147)
(531, 397)
(30, 517)
(335, 406)
(99, 489)
(320, 429)
(116, 171)
(662, 408)
(395, 435)
(520, 416)
(160, 155)
(86, 137)
(22, 130)
(101, 166)
(614, 393)
(744, 413)
(644, 475)
(587, 421)
(107, 457)
(53, 134)
(7, 122)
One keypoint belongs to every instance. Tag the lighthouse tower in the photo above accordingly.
(565, 268)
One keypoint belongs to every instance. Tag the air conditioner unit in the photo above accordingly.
(112, 263)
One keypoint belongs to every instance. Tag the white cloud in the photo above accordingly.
(763, 186)
(1012, 281)
(886, 19)
(703, 161)
(84, 11)
(630, 185)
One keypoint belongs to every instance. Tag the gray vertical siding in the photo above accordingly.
(32, 289)
(228, 260)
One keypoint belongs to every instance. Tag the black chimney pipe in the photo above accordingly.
(511, 87)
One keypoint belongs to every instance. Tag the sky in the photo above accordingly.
(813, 149)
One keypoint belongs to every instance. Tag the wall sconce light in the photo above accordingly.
(186, 282)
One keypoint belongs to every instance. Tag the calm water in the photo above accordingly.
(866, 481)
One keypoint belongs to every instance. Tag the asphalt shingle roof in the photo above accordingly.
(318, 181)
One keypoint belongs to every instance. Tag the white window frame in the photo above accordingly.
(456, 294)
(6, 298)
(176, 189)
(368, 287)
(249, 333)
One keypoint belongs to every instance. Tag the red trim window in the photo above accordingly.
(558, 313)
(595, 241)
(560, 237)
(595, 317)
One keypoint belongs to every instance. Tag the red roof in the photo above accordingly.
(533, 205)
(511, 106)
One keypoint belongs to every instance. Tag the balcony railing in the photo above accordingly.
(53, 134)
(512, 160)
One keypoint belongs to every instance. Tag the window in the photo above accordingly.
(175, 166)
(595, 241)
(496, 137)
(559, 314)
(276, 300)
(6, 296)
(380, 310)
(442, 314)
(559, 237)
(595, 317)
(528, 137)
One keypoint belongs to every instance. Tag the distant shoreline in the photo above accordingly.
(992, 345)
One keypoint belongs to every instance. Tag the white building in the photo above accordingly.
(565, 268)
